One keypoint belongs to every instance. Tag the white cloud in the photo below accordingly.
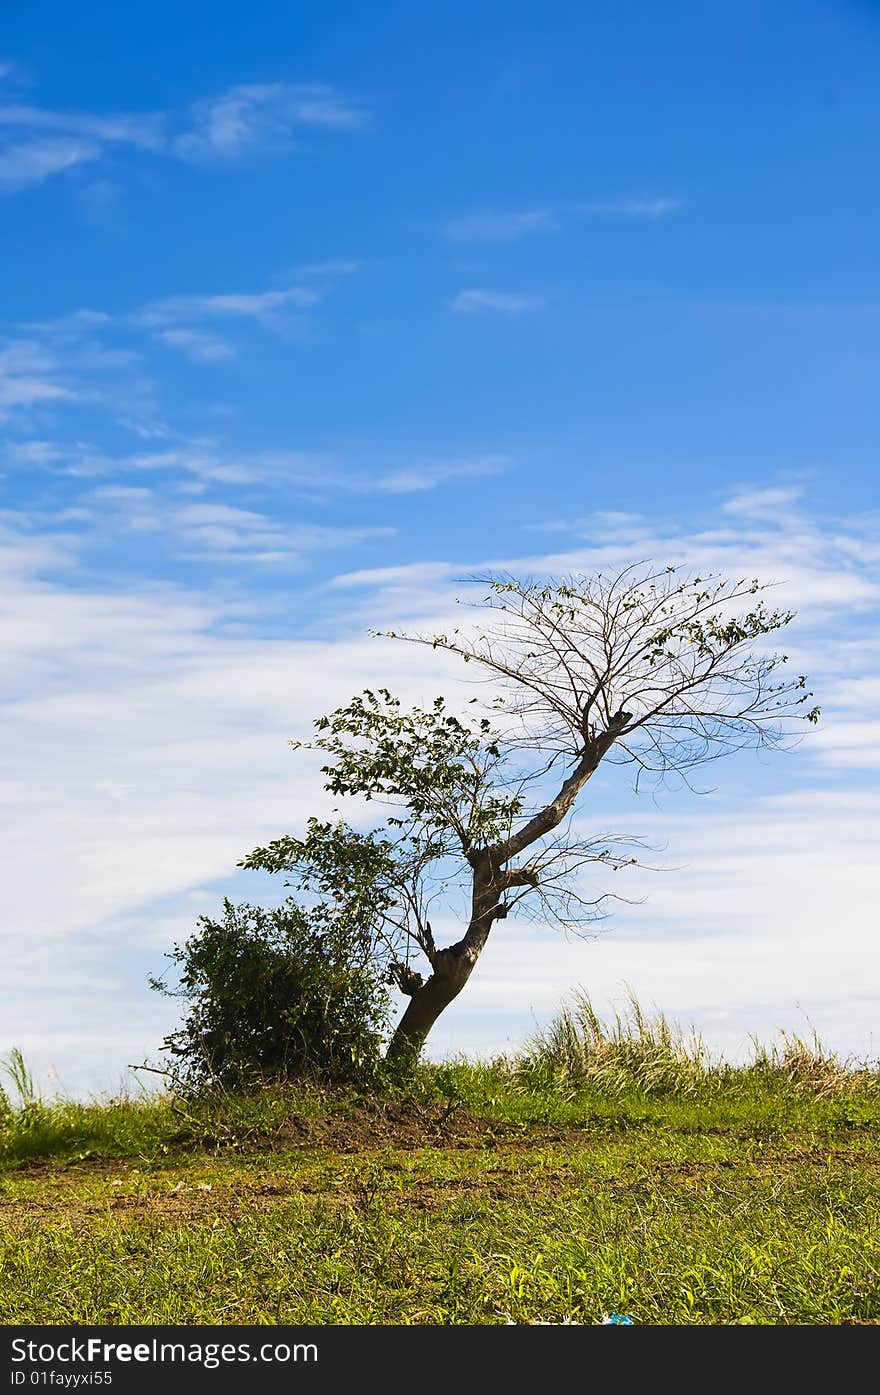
(257, 305)
(313, 473)
(411, 574)
(419, 477)
(213, 532)
(609, 520)
(70, 365)
(144, 130)
(124, 493)
(75, 322)
(244, 119)
(212, 528)
(29, 377)
(495, 302)
(763, 503)
(24, 556)
(318, 474)
(824, 567)
(195, 459)
(509, 225)
(333, 266)
(30, 156)
(32, 161)
(33, 452)
(201, 348)
(89, 357)
(501, 226)
(631, 208)
(263, 116)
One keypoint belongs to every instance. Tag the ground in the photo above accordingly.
(748, 1209)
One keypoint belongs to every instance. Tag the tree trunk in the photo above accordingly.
(452, 968)
(452, 971)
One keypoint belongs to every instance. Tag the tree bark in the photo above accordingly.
(452, 967)
(451, 973)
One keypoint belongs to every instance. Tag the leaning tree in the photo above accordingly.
(659, 670)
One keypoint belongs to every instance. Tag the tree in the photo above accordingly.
(653, 669)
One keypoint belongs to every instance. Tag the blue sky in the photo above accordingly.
(311, 310)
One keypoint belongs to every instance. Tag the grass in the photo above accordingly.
(611, 1167)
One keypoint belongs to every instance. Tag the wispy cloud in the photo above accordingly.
(611, 521)
(95, 355)
(418, 478)
(198, 460)
(145, 130)
(234, 305)
(215, 532)
(263, 116)
(333, 266)
(768, 504)
(201, 348)
(76, 138)
(29, 376)
(819, 569)
(76, 361)
(501, 226)
(248, 119)
(472, 302)
(31, 161)
(217, 528)
(319, 475)
(33, 452)
(323, 476)
(510, 225)
(73, 323)
(631, 208)
(194, 461)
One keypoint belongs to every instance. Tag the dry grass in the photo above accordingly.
(639, 1052)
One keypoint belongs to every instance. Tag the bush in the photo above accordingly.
(276, 995)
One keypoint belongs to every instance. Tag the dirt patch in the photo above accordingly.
(405, 1124)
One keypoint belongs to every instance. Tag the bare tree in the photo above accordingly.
(655, 669)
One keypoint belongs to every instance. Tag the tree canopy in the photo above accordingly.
(659, 670)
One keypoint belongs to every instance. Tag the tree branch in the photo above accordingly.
(553, 813)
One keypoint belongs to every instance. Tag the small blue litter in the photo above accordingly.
(618, 1320)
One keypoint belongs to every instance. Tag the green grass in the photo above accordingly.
(611, 1168)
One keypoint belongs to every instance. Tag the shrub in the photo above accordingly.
(276, 994)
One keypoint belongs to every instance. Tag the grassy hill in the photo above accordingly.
(609, 1170)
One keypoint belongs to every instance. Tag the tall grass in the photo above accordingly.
(639, 1052)
(809, 1067)
(633, 1052)
(15, 1068)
